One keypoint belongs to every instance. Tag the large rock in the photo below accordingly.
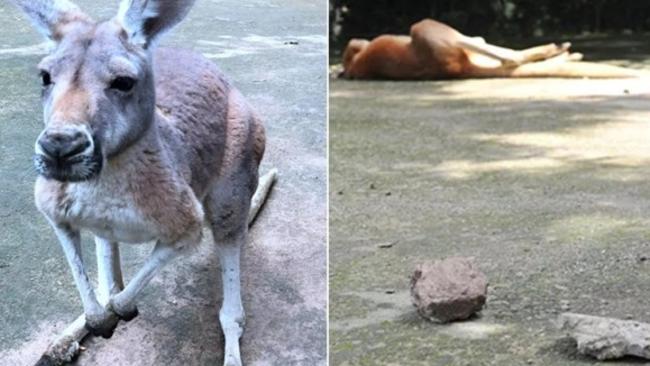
(607, 338)
(449, 289)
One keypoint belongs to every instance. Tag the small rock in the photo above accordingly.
(449, 289)
(607, 338)
(372, 186)
(388, 193)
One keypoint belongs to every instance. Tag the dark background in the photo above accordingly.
(493, 19)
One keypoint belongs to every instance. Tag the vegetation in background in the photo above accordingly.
(491, 18)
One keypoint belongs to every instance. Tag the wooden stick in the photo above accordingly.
(67, 345)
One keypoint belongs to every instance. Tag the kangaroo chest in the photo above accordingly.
(108, 213)
(128, 210)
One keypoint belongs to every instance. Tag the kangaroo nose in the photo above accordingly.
(63, 144)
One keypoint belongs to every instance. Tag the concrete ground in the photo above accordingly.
(275, 51)
(544, 182)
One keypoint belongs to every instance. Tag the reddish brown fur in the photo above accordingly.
(68, 20)
(72, 107)
(433, 51)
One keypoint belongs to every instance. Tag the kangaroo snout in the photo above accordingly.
(67, 154)
(62, 145)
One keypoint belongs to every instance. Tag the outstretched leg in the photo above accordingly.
(564, 57)
(509, 56)
(545, 52)
(478, 45)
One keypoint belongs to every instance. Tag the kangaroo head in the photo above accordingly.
(355, 45)
(98, 87)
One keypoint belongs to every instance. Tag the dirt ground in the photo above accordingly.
(275, 52)
(543, 181)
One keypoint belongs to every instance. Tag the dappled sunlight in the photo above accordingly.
(543, 89)
(587, 228)
(624, 143)
(539, 89)
(424, 94)
(385, 307)
(544, 181)
(473, 330)
(342, 94)
(462, 169)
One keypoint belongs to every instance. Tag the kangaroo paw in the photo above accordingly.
(103, 325)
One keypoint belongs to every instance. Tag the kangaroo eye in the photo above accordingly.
(123, 83)
(46, 79)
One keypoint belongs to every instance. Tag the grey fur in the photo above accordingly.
(146, 20)
(182, 145)
(49, 16)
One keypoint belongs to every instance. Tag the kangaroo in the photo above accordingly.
(140, 144)
(434, 50)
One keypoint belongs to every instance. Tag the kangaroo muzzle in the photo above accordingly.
(67, 154)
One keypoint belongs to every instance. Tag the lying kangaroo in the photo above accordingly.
(140, 144)
(436, 51)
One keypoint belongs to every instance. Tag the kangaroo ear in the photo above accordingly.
(50, 17)
(145, 20)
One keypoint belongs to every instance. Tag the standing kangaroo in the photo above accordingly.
(434, 50)
(140, 144)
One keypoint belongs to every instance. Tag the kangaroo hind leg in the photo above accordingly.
(509, 56)
(227, 210)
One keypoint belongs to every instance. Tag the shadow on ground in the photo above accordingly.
(543, 181)
(275, 53)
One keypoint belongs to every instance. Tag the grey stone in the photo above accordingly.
(607, 338)
(449, 289)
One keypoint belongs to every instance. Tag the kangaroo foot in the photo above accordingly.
(103, 324)
(126, 313)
